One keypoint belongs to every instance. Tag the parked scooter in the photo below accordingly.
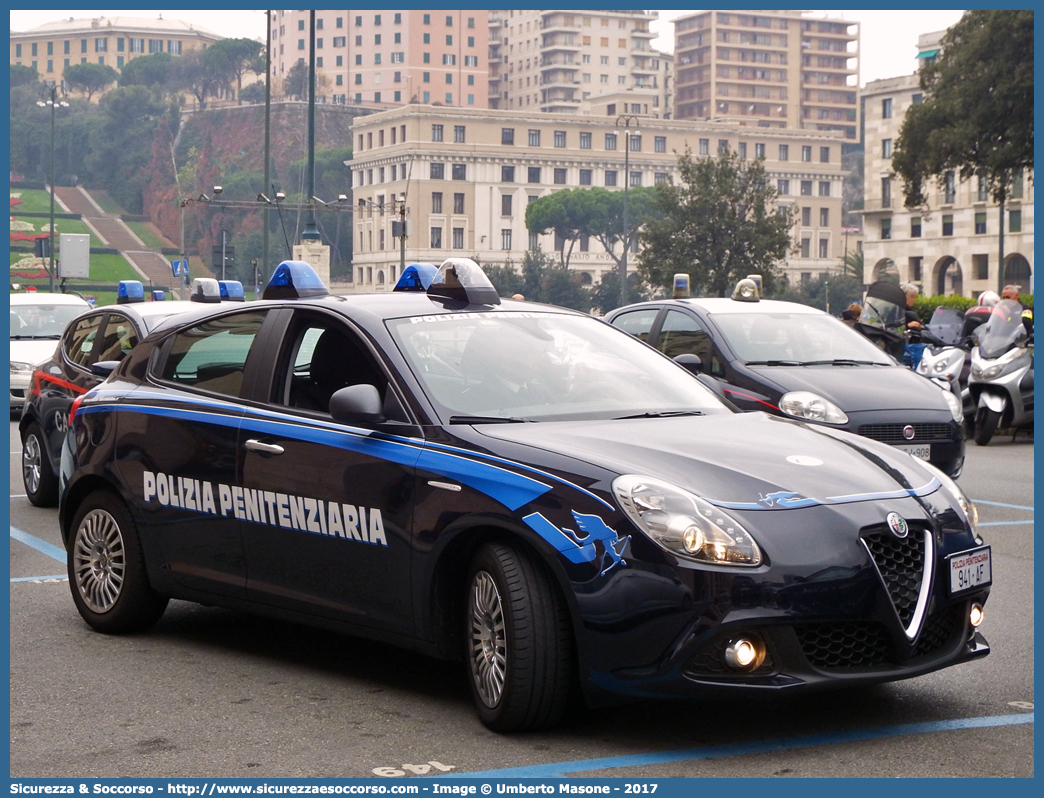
(1001, 380)
(944, 359)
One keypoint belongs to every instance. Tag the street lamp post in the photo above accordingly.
(53, 102)
(626, 119)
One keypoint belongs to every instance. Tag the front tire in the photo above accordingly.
(38, 477)
(107, 575)
(519, 649)
(986, 422)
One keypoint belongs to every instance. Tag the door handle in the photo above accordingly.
(255, 445)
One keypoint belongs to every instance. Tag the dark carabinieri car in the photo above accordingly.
(797, 361)
(517, 485)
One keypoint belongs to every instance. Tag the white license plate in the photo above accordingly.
(923, 452)
(969, 570)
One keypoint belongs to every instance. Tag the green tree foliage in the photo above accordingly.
(233, 58)
(605, 217)
(23, 75)
(505, 279)
(89, 78)
(852, 265)
(841, 290)
(152, 71)
(718, 224)
(977, 114)
(295, 84)
(565, 214)
(606, 295)
(200, 73)
(541, 279)
(254, 93)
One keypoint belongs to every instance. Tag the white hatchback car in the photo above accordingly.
(37, 322)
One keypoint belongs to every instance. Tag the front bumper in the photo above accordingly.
(20, 382)
(943, 434)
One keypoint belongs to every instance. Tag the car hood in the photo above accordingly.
(855, 388)
(746, 461)
(35, 352)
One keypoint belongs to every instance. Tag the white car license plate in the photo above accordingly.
(923, 451)
(969, 570)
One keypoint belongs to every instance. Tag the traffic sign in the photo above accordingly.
(180, 268)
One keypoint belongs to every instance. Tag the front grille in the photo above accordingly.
(893, 433)
(939, 629)
(846, 644)
(901, 564)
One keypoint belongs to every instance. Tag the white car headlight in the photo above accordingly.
(967, 506)
(956, 409)
(684, 524)
(21, 367)
(811, 407)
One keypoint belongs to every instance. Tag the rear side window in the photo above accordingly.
(118, 339)
(212, 356)
(638, 323)
(79, 340)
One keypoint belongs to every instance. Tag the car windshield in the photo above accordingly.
(519, 366)
(42, 320)
(796, 339)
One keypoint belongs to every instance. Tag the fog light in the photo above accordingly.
(975, 614)
(744, 654)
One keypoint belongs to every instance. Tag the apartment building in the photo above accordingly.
(383, 59)
(468, 175)
(777, 68)
(952, 246)
(110, 41)
(552, 61)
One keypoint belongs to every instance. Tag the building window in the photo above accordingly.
(950, 188)
(723, 146)
(505, 239)
(660, 144)
(784, 152)
(824, 188)
(507, 135)
(1016, 185)
(886, 108)
(660, 178)
(806, 247)
(438, 171)
(533, 174)
(458, 203)
(806, 154)
(980, 223)
(436, 132)
(1014, 221)
(915, 268)
(560, 138)
(983, 192)
(458, 134)
(458, 238)
(534, 138)
(886, 148)
(585, 141)
(585, 177)
(980, 267)
(436, 238)
(610, 141)
(560, 176)
(505, 204)
(824, 217)
(636, 142)
(507, 174)
(824, 155)
(917, 99)
(743, 150)
(886, 192)
(534, 241)
(806, 188)
(636, 179)
(460, 171)
(806, 216)
(704, 147)
(824, 247)
(947, 225)
(915, 227)
(610, 177)
(783, 187)
(436, 202)
(759, 151)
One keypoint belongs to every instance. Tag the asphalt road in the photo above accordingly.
(214, 693)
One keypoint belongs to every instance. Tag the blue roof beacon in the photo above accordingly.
(294, 279)
(129, 291)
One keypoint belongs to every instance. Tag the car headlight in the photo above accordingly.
(971, 514)
(684, 524)
(21, 367)
(811, 407)
(956, 409)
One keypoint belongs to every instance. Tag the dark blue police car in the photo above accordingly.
(519, 486)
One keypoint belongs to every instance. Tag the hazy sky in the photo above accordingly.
(889, 38)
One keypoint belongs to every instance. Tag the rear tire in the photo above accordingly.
(986, 422)
(38, 477)
(107, 575)
(519, 642)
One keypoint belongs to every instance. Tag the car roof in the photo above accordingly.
(43, 298)
(724, 305)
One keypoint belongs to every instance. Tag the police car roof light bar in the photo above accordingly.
(462, 280)
(129, 291)
(294, 279)
(205, 289)
(159, 296)
(231, 291)
(416, 277)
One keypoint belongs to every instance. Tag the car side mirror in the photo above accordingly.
(691, 362)
(103, 368)
(357, 403)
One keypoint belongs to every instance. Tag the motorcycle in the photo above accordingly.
(945, 357)
(1000, 384)
(883, 317)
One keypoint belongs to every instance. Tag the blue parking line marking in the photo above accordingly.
(19, 496)
(562, 769)
(1002, 504)
(1005, 523)
(63, 577)
(41, 546)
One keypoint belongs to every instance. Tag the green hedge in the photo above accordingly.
(29, 184)
(104, 251)
(44, 214)
(925, 305)
(134, 217)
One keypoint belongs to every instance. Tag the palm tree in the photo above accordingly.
(852, 264)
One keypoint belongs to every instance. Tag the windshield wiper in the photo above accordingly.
(775, 363)
(52, 337)
(662, 414)
(841, 361)
(486, 420)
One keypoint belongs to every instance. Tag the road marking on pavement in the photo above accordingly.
(1005, 523)
(1002, 504)
(19, 496)
(561, 769)
(41, 546)
(41, 579)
